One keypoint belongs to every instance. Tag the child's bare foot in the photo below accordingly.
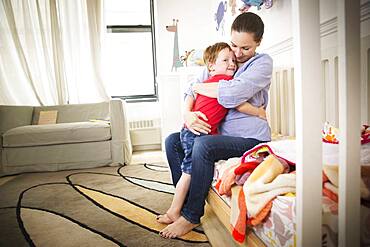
(178, 228)
(164, 219)
(168, 217)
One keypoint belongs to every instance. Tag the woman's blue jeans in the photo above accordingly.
(206, 150)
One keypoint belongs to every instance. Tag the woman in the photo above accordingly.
(239, 132)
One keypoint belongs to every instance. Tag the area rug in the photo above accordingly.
(108, 206)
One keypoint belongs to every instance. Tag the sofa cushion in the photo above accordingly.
(74, 112)
(37, 135)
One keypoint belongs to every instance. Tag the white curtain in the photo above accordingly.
(50, 52)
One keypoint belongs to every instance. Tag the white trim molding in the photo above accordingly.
(327, 27)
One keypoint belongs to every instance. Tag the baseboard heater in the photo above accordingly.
(145, 134)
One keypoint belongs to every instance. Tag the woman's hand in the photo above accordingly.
(262, 113)
(193, 121)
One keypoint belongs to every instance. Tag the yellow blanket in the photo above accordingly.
(265, 183)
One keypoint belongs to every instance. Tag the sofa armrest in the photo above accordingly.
(14, 116)
(121, 141)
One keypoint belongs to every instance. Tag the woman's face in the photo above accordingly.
(243, 45)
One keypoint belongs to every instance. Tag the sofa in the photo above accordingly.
(83, 136)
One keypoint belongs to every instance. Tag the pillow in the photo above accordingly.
(47, 117)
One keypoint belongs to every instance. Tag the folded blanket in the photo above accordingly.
(227, 176)
(330, 191)
(267, 180)
(265, 183)
(253, 203)
(238, 217)
(330, 185)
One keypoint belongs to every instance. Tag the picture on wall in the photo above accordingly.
(226, 11)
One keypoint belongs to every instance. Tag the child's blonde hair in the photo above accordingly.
(211, 53)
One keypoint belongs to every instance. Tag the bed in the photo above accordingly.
(294, 110)
(278, 227)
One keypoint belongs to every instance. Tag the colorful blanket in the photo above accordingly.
(266, 167)
(331, 182)
(331, 139)
(263, 173)
(251, 204)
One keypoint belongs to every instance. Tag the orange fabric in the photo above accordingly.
(261, 215)
(239, 229)
(227, 180)
(217, 185)
(330, 194)
(324, 178)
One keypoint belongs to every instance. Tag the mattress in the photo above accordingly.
(279, 227)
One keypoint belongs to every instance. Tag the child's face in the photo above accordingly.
(225, 63)
(243, 45)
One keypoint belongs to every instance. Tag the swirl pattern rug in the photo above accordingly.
(108, 206)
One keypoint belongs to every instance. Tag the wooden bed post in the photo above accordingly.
(309, 120)
(349, 122)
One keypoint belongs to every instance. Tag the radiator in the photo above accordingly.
(145, 134)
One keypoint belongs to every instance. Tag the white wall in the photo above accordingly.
(196, 30)
(278, 40)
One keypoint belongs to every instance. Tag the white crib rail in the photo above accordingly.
(345, 91)
(281, 107)
(313, 104)
(349, 122)
(309, 119)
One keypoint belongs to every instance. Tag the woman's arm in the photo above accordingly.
(249, 109)
(211, 90)
(206, 89)
(252, 78)
(193, 120)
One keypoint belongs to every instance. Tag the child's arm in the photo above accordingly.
(193, 120)
(188, 104)
(248, 108)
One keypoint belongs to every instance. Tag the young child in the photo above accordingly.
(221, 64)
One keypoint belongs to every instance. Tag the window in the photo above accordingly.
(129, 53)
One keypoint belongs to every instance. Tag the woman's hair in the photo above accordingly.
(249, 22)
(211, 53)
